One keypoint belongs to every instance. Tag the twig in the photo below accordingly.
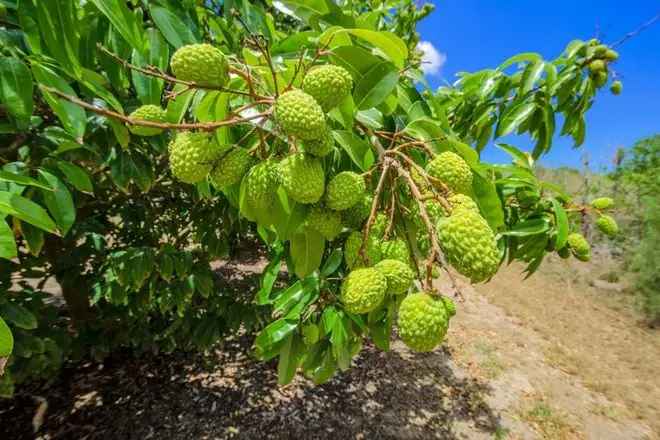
(374, 207)
(207, 126)
(636, 32)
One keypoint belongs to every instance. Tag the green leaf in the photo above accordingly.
(531, 75)
(514, 116)
(8, 248)
(72, 116)
(529, 227)
(268, 278)
(150, 89)
(20, 179)
(271, 336)
(59, 201)
(124, 21)
(561, 223)
(18, 315)
(520, 158)
(531, 57)
(375, 86)
(306, 252)
(291, 356)
(357, 148)
(58, 21)
(16, 87)
(34, 238)
(175, 31)
(6, 339)
(26, 210)
(357, 60)
(76, 176)
(332, 263)
(388, 43)
(488, 199)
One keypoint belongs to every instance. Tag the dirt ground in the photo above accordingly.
(545, 359)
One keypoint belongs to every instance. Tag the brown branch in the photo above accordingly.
(374, 207)
(207, 126)
(436, 252)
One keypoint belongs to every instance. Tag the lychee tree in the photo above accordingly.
(143, 140)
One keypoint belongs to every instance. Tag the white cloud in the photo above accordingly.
(432, 60)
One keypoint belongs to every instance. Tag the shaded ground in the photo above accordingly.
(497, 377)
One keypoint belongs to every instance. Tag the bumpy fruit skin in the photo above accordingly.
(396, 250)
(616, 88)
(151, 113)
(320, 147)
(325, 221)
(355, 216)
(399, 275)
(345, 190)
(607, 225)
(379, 226)
(597, 66)
(261, 183)
(422, 322)
(303, 178)
(231, 168)
(363, 290)
(452, 170)
(579, 246)
(600, 78)
(192, 156)
(329, 85)
(352, 250)
(603, 203)
(450, 306)
(300, 115)
(461, 201)
(202, 64)
(469, 245)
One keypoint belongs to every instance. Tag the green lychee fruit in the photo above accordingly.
(461, 201)
(231, 168)
(611, 55)
(329, 85)
(579, 246)
(325, 221)
(261, 184)
(422, 322)
(452, 170)
(363, 290)
(303, 178)
(469, 245)
(379, 225)
(355, 216)
(320, 147)
(597, 66)
(607, 225)
(151, 113)
(450, 306)
(603, 203)
(300, 115)
(202, 64)
(345, 190)
(616, 88)
(396, 249)
(399, 275)
(600, 78)
(352, 250)
(192, 156)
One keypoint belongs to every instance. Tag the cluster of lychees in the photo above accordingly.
(599, 56)
(577, 244)
(432, 212)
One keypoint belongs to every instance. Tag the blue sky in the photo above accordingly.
(478, 34)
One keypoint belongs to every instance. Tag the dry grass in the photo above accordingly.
(549, 422)
(592, 334)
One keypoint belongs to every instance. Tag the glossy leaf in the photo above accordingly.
(306, 252)
(16, 87)
(375, 86)
(8, 248)
(124, 21)
(26, 210)
(59, 201)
